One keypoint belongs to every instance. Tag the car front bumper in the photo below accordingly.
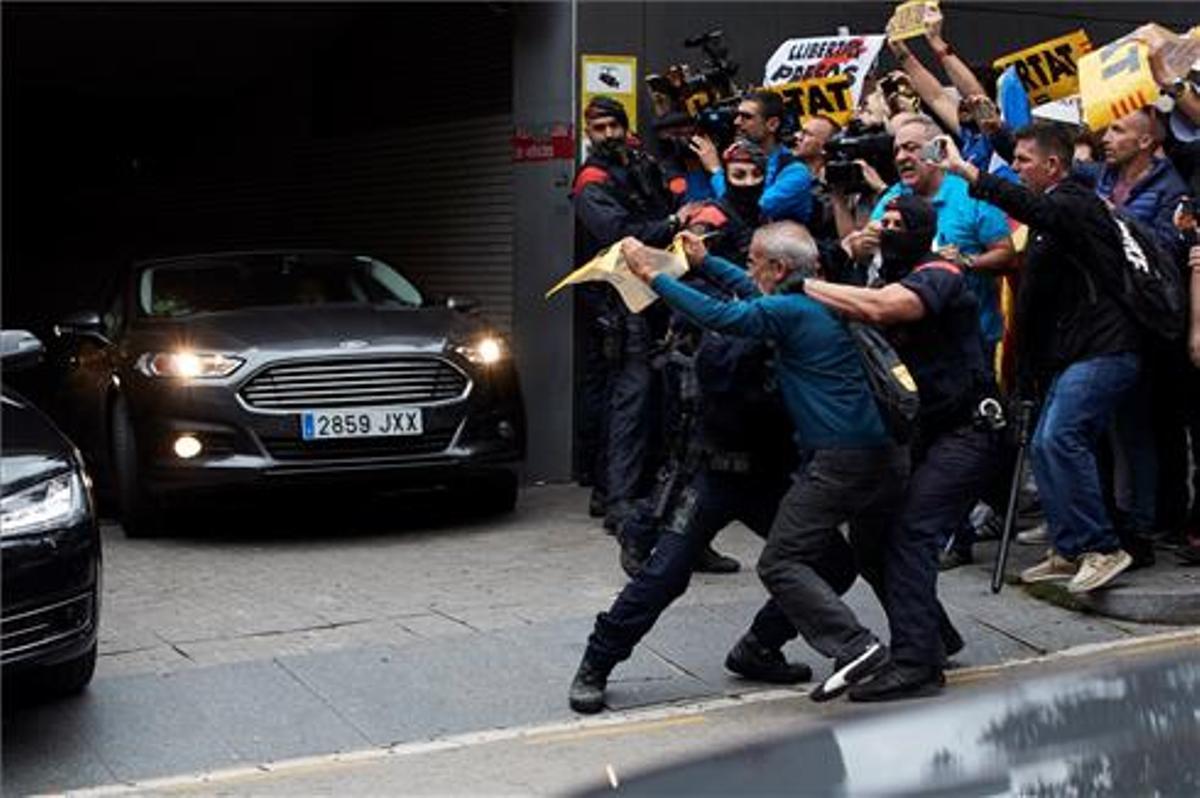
(244, 447)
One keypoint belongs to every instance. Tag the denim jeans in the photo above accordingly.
(1078, 410)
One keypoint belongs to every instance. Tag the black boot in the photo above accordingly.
(753, 660)
(1139, 547)
(587, 688)
(896, 681)
(712, 561)
(951, 640)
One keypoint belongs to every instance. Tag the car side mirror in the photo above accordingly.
(84, 324)
(20, 349)
(462, 304)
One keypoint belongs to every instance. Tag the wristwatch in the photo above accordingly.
(673, 220)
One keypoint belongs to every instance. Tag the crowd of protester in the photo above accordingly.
(996, 261)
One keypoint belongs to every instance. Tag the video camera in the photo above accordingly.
(870, 143)
(688, 100)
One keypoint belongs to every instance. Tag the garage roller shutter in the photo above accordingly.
(435, 201)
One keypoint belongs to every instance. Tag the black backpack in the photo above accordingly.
(1149, 285)
(892, 384)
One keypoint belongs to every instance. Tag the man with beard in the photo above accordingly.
(618, 192)
(931, 318)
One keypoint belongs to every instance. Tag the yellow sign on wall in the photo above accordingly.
(614, 76)
(1050, 70)
(1115, 81)
(831, 97)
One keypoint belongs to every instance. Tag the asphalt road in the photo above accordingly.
(375, 626)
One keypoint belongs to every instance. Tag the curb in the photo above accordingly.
(1176, 603)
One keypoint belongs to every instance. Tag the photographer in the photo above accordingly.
(932, 320)
(787, 192)
(619, 191)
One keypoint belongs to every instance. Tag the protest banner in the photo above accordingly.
(798, 60)
(829, 97)
(1050, 70)
(908, 20)
(1120, 78)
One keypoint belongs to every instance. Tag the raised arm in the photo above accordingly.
(959, 73)
(928, 87)
(728, 277)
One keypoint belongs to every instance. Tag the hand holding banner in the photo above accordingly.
(1120, 78)
(908, 20)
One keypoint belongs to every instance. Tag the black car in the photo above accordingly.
(1121, 728)
(286, 368)
(49, 543)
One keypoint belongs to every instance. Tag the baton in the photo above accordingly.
(1024, 417)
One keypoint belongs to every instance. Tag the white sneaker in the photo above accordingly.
(1054, 568)
(1034, 536)
(1097, 570)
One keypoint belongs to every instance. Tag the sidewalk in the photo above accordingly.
(1166, 593)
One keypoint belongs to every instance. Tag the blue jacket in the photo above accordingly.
(1152, 200)
(820, 375)
(787, 188)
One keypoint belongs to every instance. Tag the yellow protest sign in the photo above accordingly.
(832, 97)
(908, 20)
(1115, 81)
(1120, 78)
(612, 76)
(1049, 71)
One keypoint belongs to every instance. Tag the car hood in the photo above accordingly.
(34, 449)
(300, 329)
(1116, 729)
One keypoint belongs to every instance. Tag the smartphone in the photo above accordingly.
(934, 151)
(889, 85)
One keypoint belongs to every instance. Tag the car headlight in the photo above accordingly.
(53, 503)
(188, 365)
(485, 351)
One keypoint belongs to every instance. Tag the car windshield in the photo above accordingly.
(234, 282)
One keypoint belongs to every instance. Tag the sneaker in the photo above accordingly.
(848, 672)
(894, 682)
(752, 660)
(712, 561)
(954, 558)
(587, 688)
(1037, 536)
(1097, 570)
(1054, 568)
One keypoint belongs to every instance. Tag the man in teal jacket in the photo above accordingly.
(854, 472)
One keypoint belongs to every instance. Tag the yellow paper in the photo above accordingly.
(609, 266)
(1050, 70)
(831, 97)
(908, 20)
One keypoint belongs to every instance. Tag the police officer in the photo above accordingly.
(932, 320)
(619, 191)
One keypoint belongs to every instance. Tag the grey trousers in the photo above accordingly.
(863, 488)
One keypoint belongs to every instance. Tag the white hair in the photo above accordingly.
(931, 128)
(789, 243)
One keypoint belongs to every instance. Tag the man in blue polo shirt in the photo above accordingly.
(855, 473)
(970, 232)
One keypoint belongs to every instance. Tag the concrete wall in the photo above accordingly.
(543, 83)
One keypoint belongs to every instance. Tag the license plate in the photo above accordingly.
(362, 422)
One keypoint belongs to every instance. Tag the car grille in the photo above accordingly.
(358, 448)
(44, 626)
(355, 383)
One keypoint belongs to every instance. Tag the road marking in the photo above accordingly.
(620, 722)
(635, 727)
